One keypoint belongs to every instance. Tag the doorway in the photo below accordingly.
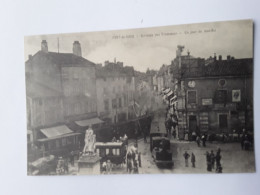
(192, 123)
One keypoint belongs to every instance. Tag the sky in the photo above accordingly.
(152, 47)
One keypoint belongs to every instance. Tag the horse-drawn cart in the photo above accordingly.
(115, 152)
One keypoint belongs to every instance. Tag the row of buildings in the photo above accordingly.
(211, 96)
(65, 91)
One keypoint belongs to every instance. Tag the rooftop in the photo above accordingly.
(62, 59)
(232, 67)
(114, 71)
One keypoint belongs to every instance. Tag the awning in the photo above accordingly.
(57, 137)
(56, 131)
(88, 122)
(173, 98)
(169, 93)
(173, 103)
(167, 90)
(109, 144)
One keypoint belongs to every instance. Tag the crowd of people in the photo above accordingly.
(212, 160)
(133, 159)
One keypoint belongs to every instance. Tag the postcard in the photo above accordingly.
(169, 99)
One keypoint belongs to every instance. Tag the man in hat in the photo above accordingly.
(186, 157)
(193, 160)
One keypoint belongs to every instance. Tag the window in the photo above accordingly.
(50, 145)
(76, 140)
(57, 143)
(70, 140)
(114, 104)
(107, 151)
(106, 105)
(192, 97)
(115, 151)
(63, 141)
(223, 121)
(125, 100)
(119, 102)
(221, 96)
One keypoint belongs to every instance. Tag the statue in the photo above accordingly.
(90, 140)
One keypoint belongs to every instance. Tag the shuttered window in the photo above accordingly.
(192, 97)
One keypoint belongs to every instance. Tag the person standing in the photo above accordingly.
(72, 158)
(129, 162)
(139, 159)
(109, 166)
(198, 141)
(144, 133)
(204, 140)
(193, 136)
(218, 158)
(193, 160)
(186, 157)
(212, 159)
(174, 133)
(209, 168)
(66, 166)
(135, 162)
(104, 168)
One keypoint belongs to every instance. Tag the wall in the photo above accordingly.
(79, 88)
(44, 111)
(114, 88)
(235, 111)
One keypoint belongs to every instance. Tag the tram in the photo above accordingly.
(160, 146)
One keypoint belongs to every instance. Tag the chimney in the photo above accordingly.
(30, 57)
(228, 57)
(77, 48)
(44, 46)
(220, 57)
(215, 57)
(178, 54)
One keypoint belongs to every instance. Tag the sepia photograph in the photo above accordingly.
(159, 100)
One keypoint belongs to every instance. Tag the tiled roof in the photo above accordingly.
(106, 71)
(230, 67)
(62, 59)
(234, 67)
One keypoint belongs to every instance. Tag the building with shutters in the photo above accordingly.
(115, 91)
(213, 95)
(60, 89)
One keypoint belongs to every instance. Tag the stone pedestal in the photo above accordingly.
(89, 165)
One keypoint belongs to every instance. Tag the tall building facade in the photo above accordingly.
(214, 95)
(115, 91)
(60, 88)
